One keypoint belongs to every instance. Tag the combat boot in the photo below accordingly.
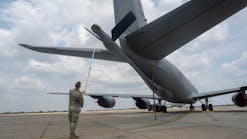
(73, 136)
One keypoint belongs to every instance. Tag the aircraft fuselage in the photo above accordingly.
(171, 83)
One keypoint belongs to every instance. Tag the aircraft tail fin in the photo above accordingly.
(123, 7)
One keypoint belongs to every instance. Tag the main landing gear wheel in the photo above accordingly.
(204, 108)
(210, 107)
(192, 108)
(163, 109)
(157, 108)
(207, 106)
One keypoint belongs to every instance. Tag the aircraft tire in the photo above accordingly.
(204, 108)
(192, 108)
(210, 107)
(164, 109)
(157, 108)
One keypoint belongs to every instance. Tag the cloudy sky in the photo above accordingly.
(215, 60)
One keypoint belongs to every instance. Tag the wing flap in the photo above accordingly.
(77, 52)
(173, 30)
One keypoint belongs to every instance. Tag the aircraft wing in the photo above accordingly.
(218, 93)
(173, 30)
(95, 95)
(77, 52)
(124, 95)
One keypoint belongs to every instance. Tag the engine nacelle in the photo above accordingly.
(106, 102)
(240, 99)
(142, 103)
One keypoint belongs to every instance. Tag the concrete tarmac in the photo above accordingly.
(226, 122)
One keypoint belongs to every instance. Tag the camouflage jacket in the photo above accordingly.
(75, 99)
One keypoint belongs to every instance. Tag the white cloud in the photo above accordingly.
(4, 33)
(4, 40)
(75, 37)
(156, 9)
(169, 5)
(64, 66)
(28, 83)
(238, 67)
(218, 33)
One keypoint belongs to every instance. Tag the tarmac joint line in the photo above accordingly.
(163, 122)
(43, 133)
(212, 117)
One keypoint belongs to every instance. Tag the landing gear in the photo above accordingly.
(210, 107)
(207, 106)
(163, 109)
(204, 108)
(158, 108)
(192, 108)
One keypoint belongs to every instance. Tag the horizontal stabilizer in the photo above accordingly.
(77, 52)
(173, 30)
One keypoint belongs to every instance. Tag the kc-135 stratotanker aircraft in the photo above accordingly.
(145, 46)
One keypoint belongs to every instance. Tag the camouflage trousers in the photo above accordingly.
(73, 119)
(74, 115)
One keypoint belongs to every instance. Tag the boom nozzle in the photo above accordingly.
(96, 28)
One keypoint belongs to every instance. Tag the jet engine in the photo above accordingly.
(240, 99)
(106, 102)
(142, 103)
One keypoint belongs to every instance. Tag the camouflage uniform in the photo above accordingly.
(75, 104)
